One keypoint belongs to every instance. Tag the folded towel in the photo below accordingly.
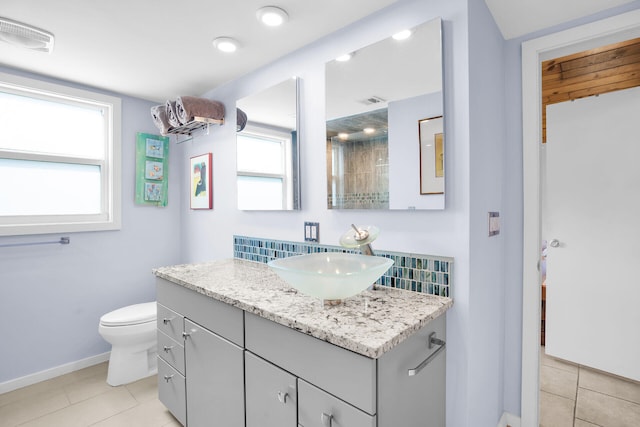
(171, 114)
(241, 120)
(188, 107)
(160, 119)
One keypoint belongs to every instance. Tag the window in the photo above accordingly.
(59, 158)
(264, 175)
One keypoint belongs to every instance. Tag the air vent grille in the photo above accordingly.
(373, 100)
(26, 36)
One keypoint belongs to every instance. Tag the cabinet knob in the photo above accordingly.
(167, 348)
(326, 419)
(282, 397)
(167, 320)
(186, 335)
(167, 378)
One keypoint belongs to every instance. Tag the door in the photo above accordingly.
(591, 222)
(214, 379)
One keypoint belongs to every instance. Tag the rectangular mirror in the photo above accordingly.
(267, 162)
(376, 99)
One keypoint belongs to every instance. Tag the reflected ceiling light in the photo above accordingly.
(226, 44)
(272, 16)
(369, 130)
(343, 135)
(402, 35)
(26, 36)
(344, 58)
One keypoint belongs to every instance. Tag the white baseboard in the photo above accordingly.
(508, 419)
(52, 373)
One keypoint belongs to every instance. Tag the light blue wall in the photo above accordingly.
(208, 234)
(487, 142)
(52, 296)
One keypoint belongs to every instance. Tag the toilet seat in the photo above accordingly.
(131, 315)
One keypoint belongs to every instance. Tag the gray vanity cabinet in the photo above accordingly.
(271, 394)
(204, 385)
(215, 379)
(239, 369)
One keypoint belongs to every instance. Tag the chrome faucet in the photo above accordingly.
(360, 238)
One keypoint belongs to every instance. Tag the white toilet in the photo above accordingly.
(131, 331)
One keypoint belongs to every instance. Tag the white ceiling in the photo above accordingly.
(516, 18)
(161, 49)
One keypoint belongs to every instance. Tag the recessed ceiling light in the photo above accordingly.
(402, 35)
(344, 58)
(272, 16)
(343, 135)
(226, 44)
(369, 130)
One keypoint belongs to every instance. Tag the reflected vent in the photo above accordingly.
(373, 100)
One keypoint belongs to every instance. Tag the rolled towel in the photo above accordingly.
(241, 120)
(160, 119)
(171, 114)
(188, 107)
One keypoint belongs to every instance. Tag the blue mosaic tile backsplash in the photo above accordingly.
(414, 272)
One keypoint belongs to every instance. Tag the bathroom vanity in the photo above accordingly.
(238, 346)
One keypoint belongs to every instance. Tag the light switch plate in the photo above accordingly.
(494, 223)
(311, 231)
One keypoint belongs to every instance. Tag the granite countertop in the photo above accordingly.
(370, 323)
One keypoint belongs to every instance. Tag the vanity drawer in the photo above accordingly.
(170, 323)
(171, 390)
(218, 317)
(317, 408)
(171, 351)
(349, 376)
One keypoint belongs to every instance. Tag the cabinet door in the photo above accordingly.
(317, 408)
(417, 400)
(271, 394)
(215, 379)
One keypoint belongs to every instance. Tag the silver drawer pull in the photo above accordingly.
(167, 348)
(186, 335)
(167, 320)
(433, 341)
(168, 378)
(282, 397)
(326, 419)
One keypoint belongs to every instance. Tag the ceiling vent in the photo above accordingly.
(373, 100)
(26, 36)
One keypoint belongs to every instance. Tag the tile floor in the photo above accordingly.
(83, 398)
(576, 396)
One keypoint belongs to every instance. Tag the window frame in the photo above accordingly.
(110, 216)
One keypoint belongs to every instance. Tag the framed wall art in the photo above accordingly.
(201, 194)
(431, 133)
(152, 161)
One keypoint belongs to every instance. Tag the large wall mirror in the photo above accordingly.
(268, 166)
(384, 111)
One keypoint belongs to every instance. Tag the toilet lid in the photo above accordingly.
(131, 315)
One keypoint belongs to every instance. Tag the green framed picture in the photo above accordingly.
(152, 169)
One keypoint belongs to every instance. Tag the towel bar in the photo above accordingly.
(62, 241)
